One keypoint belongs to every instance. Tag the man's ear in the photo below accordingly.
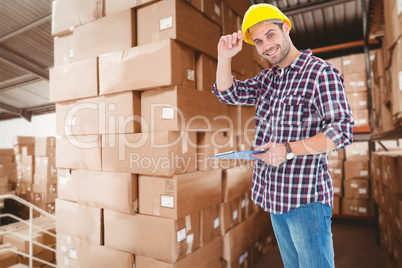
(286, 27)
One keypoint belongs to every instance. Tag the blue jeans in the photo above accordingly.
(304, 236)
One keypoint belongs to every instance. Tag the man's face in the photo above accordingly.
(271, 42)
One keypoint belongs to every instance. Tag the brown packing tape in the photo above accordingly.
(190, 237)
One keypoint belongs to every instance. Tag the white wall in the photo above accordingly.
(40, 125)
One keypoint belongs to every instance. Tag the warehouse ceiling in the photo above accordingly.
(26, 43)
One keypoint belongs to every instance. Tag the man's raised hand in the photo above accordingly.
(231, 44)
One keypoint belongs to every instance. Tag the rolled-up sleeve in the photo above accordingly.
(241, 92)
(333, 108)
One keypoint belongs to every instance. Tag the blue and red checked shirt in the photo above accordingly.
(300, 101)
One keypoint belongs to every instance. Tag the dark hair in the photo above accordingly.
(280, 25)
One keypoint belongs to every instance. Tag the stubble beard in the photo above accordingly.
(284, 51)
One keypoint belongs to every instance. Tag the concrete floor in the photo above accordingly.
(354, 244)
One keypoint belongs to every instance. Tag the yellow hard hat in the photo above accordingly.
(258, 13)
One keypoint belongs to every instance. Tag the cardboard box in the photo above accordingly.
(49, 208)
(79, 152)
(178, 20)
(46, 255)
(173, 198)
(3, 171)
(353, 63)
(356, 188)
(164, 153)
(337, 63)
(231, 22)
(238, 6)
(6, 151)
(43, 198)
(17, 239)
(117, 113)
(210, 224)
(115, 6)
(110, 33)
(45, 151)
(354, 207)
(205, 71)
(179, 108)
(361, 117)
(154, 237)
(45, 165)
(355, 82)
(67, 181)
(246, 141)
(392, 171)
(108, 190)
(338, 156)
(335, 169)
(213, 10)
(28, 150)
(8, 258)
(212, 143)
(196, 3)
(243, 119)
(163, 63)
(337, 187)
(357, 151)
(356, 170)
(396, 70)
(75, 80)
(245, 206)
(237, 240)
(45, 179)
(393, 28)
(23, 140)
(229, 215)
(236, 181)
(7, 158)
(80, 221)
(206, 256)
(45, 189)
(378, 65)
(210, 8)
(67, 14)
(337, 206)
(357, 100)
(74, 252)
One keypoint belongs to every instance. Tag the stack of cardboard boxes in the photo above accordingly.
(136, 125)
(44, 186)
(24, 149)
(8, 172)
(357, 184)
(387, 71)
(386, 170)
(349, 168)
(386, 174)
(34, 170)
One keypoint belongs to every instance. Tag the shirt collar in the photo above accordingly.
(297, 65)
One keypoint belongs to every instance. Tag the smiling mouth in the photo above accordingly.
(269, 54)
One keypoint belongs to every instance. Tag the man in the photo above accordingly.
(301, 114)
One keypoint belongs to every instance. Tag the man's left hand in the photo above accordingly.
(275, 155)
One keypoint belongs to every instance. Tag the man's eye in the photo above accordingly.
(258, 42)
(270, 35)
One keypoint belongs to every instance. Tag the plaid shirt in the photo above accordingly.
(298, 102)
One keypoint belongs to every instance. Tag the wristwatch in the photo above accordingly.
(289, 153)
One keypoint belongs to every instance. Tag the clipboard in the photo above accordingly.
(238, 155)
